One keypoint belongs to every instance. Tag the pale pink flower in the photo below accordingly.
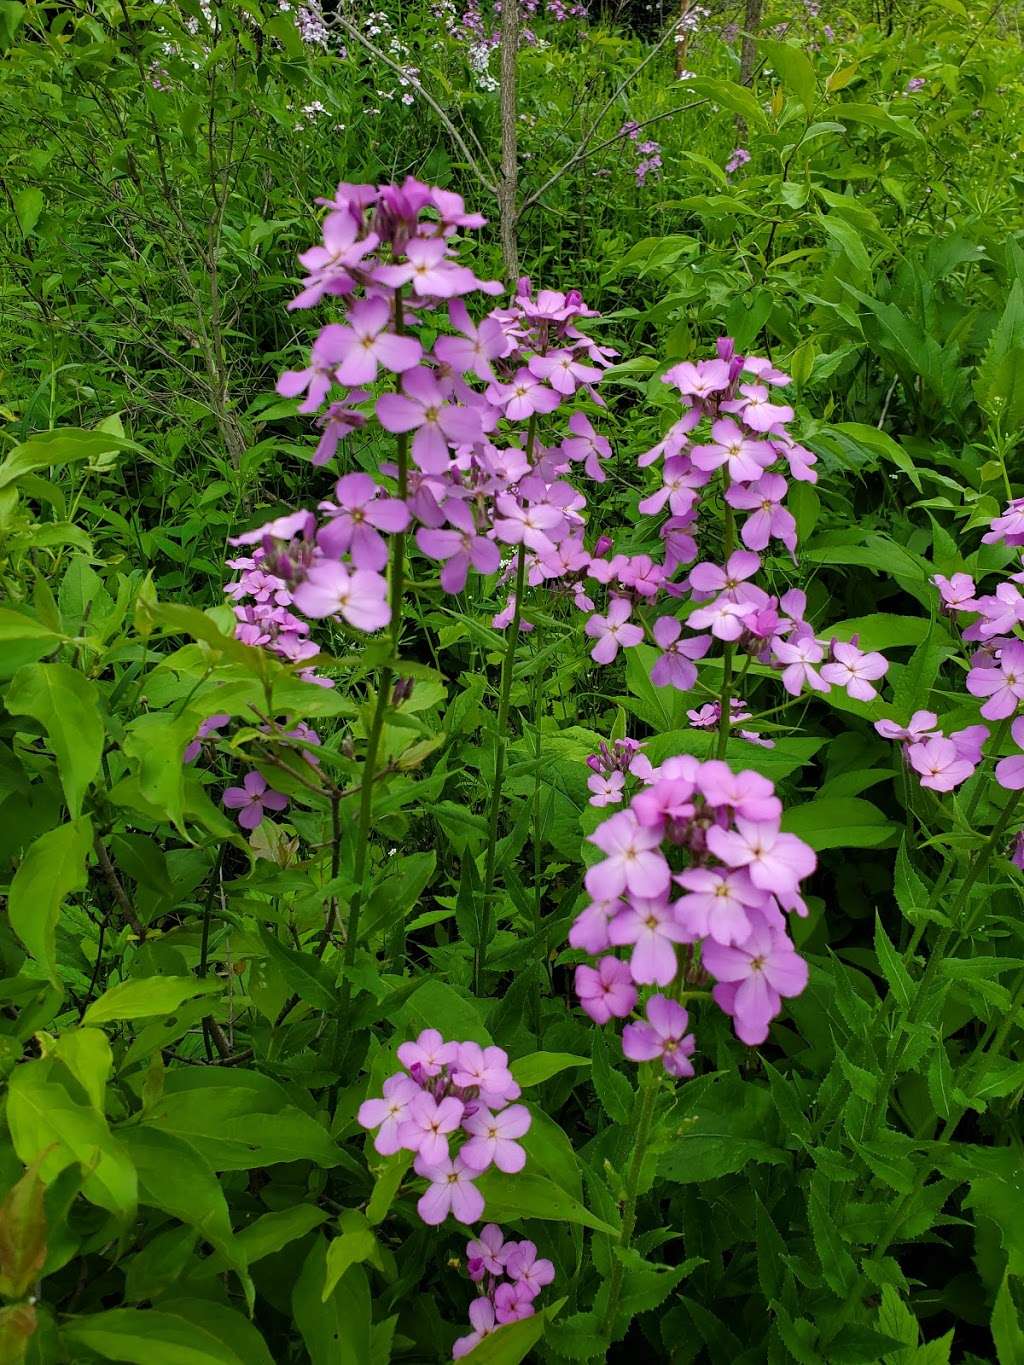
(451, 1190)
(851, 668)
(651, 928)
(388, 1114)
(607, 991)
(613, 631)
(330, 590)
(662, 1035)
(633, 860)
(492, 1138)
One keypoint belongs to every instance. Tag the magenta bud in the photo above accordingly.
(603, 545)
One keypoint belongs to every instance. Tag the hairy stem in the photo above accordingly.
(725, 698)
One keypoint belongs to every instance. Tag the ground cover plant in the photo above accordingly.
(511, 665)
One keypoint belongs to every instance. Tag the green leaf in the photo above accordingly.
(837, 1264)
(28, 205)
(48, 1126)
(156, 742)
(86, 1054)
(356, 1244)
(511, 1197)
(53, 867)
(738, 99)
(1007, 1331)
(66, 446)
(892, 967)
(67, 706)
(336, 1332)
(304, 974)
(142, 997)
(880, 442)
(239, 1120)
(849, 241)
(794, 69)
(180, 1332)
(175, 1178)
(613, 1089)
(838, 822)
(541, 1066)
(15, 625)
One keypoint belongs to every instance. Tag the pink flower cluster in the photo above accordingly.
(715, 834)
(447, 1092)
(747, 434)
(481, 477)
(511, 1275)
(942, 761)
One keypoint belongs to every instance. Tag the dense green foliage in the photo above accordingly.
(184, 1038)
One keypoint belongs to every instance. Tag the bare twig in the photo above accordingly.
(508, 186)
(426, 96)
(116, 889)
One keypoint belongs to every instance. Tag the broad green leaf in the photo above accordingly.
(86, 1054)
(239, 1119)
(15, 625)
(738, 99)
(838, 822)
(356, 1244)
(156, 743)
(336, 1332)
(67, 705)
(53, 867)
(142, 997)
(28, 205)
(59, 447)
(304, 973)
(541, 1066)
(793, 68)
(880, 441)
(179, 1332)
(175, 1178)
(48, 1126)
(511, 1197)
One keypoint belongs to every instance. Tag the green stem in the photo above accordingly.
(367, 782)
(725, 696)
(500, 746)
(648, 1094)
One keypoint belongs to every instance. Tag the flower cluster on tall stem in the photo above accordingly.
(697, 879)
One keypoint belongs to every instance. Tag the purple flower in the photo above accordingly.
(513, 1301)
(798, 655)
(368, 341)
(492, 1139)
(607, 991)
(1010, 771)
(486, 1068)
(632, 861)
(423, 408)
(1003, 685)
(716, 903)
(355, 521)
(526, 1268)
(663, 1035)
(941, 766)
(853, 669)
(675, 667)
(360, 597)
(482, 1320)
(427, 1124)
(613, 631)
(746, 458)
(754, 978)
(587, 446)
(776, 862)
(252, 799)
(486, 1255)
(451, 1190)
(429, 1052)
(740, 156)
(958, 592)
(770, 519)
(922, 725)
(389, 1113)
(607, 789)
(650, 926)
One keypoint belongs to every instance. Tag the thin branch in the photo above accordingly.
(116, 889)
(588, 137)
(411, 80)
